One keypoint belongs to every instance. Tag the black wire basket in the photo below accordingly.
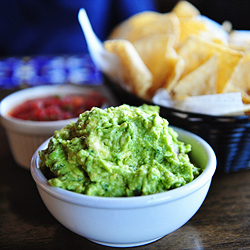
(228, 136)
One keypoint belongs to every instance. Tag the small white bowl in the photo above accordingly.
(25, 136)
(130, 221)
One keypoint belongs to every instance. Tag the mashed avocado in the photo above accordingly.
(118, 151)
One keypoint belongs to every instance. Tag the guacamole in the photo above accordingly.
(118, 151)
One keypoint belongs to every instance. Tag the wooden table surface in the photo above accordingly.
(222, 222)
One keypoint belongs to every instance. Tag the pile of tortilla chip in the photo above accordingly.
(182, 52)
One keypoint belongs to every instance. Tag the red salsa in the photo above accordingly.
(53, 108)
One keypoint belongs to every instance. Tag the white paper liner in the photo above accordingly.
(107, 62)
(216, 104)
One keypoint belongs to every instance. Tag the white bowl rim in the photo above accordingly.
(37, 124)
(128, 202)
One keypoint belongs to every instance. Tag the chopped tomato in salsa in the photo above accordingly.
(53, 108)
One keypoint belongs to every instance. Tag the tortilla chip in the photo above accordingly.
(190, 26)
(136, 21)
(227, 26)
(232, 88)
(185, 9)
(134, 72)
(242, 76)
(245, 97)
(154, 51)
(214, 32)
(145, 24)
(201, 81)
(247, 109)
(175, 69)
(195, 51)
(239, 40)
(241, 79)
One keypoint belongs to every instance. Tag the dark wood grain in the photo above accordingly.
(222, 222)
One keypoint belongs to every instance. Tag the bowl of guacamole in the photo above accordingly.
(123, 168)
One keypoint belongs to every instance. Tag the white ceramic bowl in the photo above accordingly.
(130, 221)
(25, 136)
